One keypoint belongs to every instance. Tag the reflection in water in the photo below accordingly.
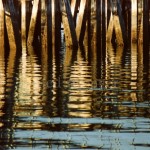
(74, 99)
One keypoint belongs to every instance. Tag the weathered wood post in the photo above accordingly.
(15, 21)
(81, 20)
(44, 24)
(68, 24)
(140, 70)
(74, 9)
(9, 28)
(134, 21)
(2, 54)
(114, 23)
(140, 22)
(93, 22)
(53, 6)
(33, 22)
(23, 22)
(44, 46)
(1, 26)
(133, 65)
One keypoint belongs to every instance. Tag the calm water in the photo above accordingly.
(75, 99)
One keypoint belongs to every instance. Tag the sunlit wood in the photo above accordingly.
(134, 66)
(44, 27)
(68, 24)
(1, 26)
(134, 21)
(114, 24)
(23, 22)
(33, 22)
(10, 30)
(80, 18)
(73, 6)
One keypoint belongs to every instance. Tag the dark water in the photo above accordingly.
(75, 99)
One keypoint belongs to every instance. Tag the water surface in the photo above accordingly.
(73, 99)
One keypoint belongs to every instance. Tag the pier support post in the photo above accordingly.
(33, 22)
(9, 28)
(134, 21)
(44, 24)
(14, 18)
(1, 26)
(81, 21)
(114, 24)
(23, 22)
(140, 22)
(68, 23)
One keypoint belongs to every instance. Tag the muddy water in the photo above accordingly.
(73, 99)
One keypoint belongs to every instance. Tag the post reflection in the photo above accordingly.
(28, 101)
(77, 81)
(2, 84)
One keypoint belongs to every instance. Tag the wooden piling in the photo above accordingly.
(2, 52)
(73, 7)
(81, 20)
(15, 23)
(23, 22)
(140, 22)
(121, 20)
(68, 24)
(53, 21)
(93, 22)
(44, 25)
(9, 28)
(114, 24)
(1, 26)
(133, 65)
(33, 22)
(134, 21)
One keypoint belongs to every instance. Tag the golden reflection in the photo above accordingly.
(28, 125)
(77, 127)
(134, 66)
(2, 82)
(10, 68)
(28, 102)
(115, 59)
(140, 72)
(44, 51)
(79, 81)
